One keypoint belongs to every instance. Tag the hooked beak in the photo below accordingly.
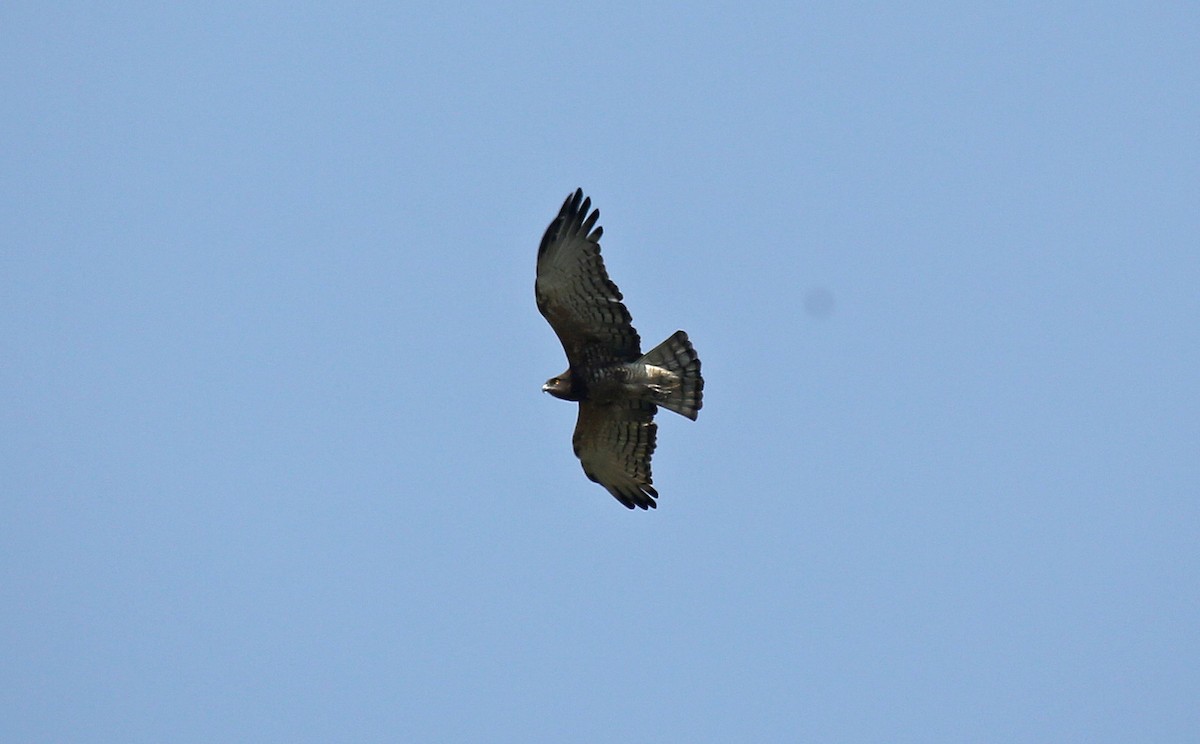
(546, 388)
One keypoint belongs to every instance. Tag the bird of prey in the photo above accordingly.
(617, 387)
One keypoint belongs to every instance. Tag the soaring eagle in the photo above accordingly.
(617, 387)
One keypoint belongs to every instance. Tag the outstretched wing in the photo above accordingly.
(575, 294)
(614, 442)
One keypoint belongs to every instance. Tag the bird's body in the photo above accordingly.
(617, 387)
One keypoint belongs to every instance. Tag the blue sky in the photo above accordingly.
(275, 462)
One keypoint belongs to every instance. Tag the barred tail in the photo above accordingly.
(676, 355)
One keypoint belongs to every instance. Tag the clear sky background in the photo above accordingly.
(275, 463)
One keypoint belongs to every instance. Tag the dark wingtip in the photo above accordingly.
(643, 499)
(577, 215)
(571, 203)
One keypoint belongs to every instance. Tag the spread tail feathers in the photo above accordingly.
(685, 396)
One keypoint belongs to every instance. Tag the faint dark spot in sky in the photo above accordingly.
(818, 302)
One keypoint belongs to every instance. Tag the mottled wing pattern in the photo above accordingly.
(575, 294)
(614, 442)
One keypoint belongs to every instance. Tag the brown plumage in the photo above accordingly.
(617, 387)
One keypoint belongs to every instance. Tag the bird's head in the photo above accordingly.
(561, 387)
